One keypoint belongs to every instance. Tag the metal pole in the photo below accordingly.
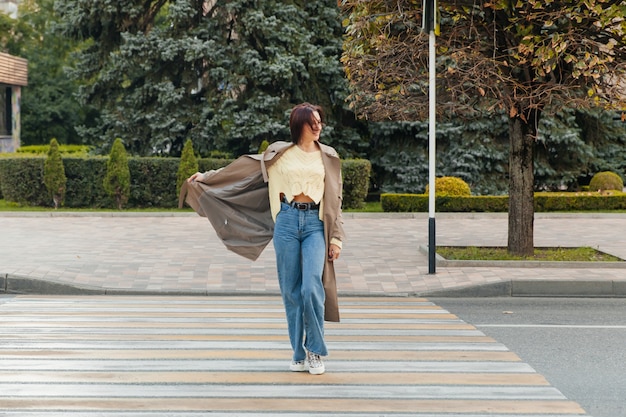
(432, 101)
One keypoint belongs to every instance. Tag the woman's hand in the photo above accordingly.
(194, 176)
(333, 252)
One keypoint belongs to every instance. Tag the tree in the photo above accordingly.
(48, 108)
(527, 58)
(54, 174)
(607, 132)
(223, 74)
(117, 179)
(188, 165)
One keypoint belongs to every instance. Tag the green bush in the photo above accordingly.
(356, 175)
(117, 178)
(74, 150)
(450, 186)
(54, 174)
(188, 165)
(606, 180)
(22, 181)
(544, 202)
(84, 183)
(263, 146)
(580, 201)
(152, 181)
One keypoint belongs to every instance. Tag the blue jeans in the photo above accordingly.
(300, 256)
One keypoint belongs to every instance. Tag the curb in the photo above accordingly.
(537, 288)
(12, 284)
(514, 288)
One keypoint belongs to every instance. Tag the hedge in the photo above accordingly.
(153, 181)
(356, 179)
(544, 202)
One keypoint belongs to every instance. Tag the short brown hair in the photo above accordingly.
(301, 114)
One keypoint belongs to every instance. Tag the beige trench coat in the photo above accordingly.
(333, 222)
(236, 202)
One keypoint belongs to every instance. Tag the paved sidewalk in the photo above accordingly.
(57, 252)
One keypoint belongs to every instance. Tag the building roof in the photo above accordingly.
(13, 70)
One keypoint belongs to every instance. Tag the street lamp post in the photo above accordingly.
(429, 24)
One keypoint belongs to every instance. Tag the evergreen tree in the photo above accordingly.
(561, 152)
(474, 150)
(223, 74)
(48, 108)
(188, 165)
(54, 174)
(117, 179)
(606, 133)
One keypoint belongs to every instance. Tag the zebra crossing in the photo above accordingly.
(224, 356)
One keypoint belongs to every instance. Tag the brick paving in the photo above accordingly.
(180, 253)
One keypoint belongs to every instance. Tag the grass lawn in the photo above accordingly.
(578, 254)
(369, 207)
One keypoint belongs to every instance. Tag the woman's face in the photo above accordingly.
(315, 127)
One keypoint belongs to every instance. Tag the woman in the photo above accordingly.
(301, 213)
(304, 180)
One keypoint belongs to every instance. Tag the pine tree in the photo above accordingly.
(54, 174)
(188, 165)
(223, 74)
(117, 179)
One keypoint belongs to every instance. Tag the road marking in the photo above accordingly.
(229, 356)
(554, 326)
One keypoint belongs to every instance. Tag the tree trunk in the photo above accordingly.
(521, 186)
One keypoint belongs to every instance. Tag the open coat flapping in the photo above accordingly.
(235, 200)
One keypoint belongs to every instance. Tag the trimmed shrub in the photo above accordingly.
(263, 146)
(117, 178)
(544, 202)
(356, 175)
(450, 186)
(85, 187)
(73, 150)
(188, 165)
(22, 181)
(152, 181)
(606, 180)
(54, 174)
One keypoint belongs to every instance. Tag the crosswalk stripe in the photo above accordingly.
(180, 356)
(185, 354)
(334, 378)
(298, 405)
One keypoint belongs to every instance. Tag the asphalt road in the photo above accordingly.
(578, 344)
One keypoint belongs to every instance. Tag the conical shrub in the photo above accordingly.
(54, 175)
(188, 165)
(117, 179)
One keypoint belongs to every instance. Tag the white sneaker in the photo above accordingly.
(299, 366)
(316, 366)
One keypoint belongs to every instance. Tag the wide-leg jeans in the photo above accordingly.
(300, 255)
